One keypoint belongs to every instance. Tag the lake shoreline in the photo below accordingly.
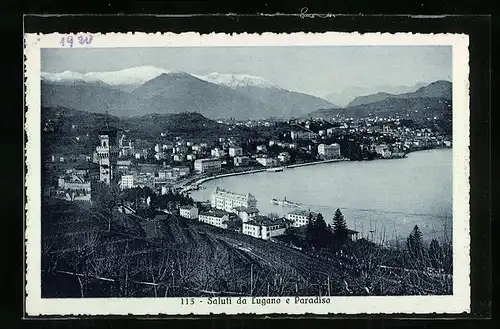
(254, 171)
(298, 165)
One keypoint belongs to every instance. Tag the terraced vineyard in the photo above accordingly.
(172, 256)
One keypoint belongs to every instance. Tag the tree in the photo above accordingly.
(318, 235)
(339, 229)
(415, 246)
(105, 198)
(436, 254)
(273, 215)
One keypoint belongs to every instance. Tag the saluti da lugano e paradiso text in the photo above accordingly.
(263, 301)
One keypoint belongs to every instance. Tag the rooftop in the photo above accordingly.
(187, 207)
(215, 213)
(303, 213)
(248, 210)
(265, 221)
(226, 193)
(206, 160)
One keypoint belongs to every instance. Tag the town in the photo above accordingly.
(182, 164)
(227, 210)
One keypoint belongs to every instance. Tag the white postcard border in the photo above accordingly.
(457, 303)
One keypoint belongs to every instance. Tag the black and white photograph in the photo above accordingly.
(245, 177)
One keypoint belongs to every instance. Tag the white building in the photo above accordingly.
(264, 228)
(126, 146)
(160, 156)
(246, 214)
(181, 171)
(217, 152)
(241, 161)
(214, 217)
(191, 157)
(331, 131)
(127, 182)
(73, 182)
(295, 135)
(203, 166)
(123, 164)
(386, 153)
(383, 150)
(166, 174)
(228, 201)
(188, 212)
(167, 147)
(329, 151)
(74, 188)
(261, 148)
(267, 161)
(300, 217)
(284, 157)
(178, 157)
(235, 151)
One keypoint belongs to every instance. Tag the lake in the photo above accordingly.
(382, 199)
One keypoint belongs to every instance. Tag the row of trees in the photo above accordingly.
(415, 254)
(436, 256)
(319, 236)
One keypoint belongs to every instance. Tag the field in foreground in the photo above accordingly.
(173, 257)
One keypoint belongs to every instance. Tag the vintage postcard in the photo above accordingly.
(177, 174)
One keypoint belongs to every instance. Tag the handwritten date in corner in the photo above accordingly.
(76, 40)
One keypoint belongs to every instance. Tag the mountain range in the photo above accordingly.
(144, 90)
(433, 100)
(344, 97)
(439, 89)
(149, 90)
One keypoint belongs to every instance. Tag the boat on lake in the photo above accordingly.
(284, 202)
(276, 169)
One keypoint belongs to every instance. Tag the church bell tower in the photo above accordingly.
(108, 154)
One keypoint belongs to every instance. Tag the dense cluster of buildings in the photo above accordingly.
(237, 209)
(170, 163)
(74, 185)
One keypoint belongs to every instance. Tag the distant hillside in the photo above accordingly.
(88, 96)
(369, 99)
(433, 100)
(438, 89)
(347, 95)
(66, 124)
(419, 108)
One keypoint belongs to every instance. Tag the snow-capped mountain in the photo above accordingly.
(142, 74)
(132, 76)
(148, 89)
(237, 80)
(67, 76)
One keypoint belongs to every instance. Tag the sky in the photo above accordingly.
(316, 70)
